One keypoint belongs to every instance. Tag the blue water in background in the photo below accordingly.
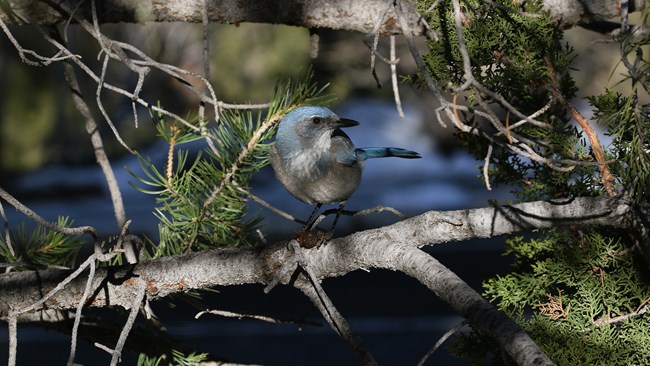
(398, 319)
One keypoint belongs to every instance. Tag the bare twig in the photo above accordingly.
(606, 176)
(534, 115)
(22, 52)
(625, 21)
(312, 289)
(61, 285)
(138, 298)
(507, 130)
(263, 203)
(417, 57)
(41, 221)
(445, 105)
(205, 21)
(77, 317)
(620, 318)
(336, 321)
(429, 32)
(367, 211)
(372, 210)
(96, 141)
(112, 49)
(125, 242)
(314, 43)
(501, 100)
(113, 88)
(486, 165)
(467, 66)
(6, 233)
(261, 236)
(107, 47)
(100, 86)
(268, 319)
(525, 151)
(456, 117)
(207, 87)
(90, 262)
(442, 340)
(104, 348)
(140, 67)
(12, 322)
(393, 76)
(375, 42)
(518, 144)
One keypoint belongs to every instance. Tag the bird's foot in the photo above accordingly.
(312, 238)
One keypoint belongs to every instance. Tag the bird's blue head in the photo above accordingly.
(309, 124)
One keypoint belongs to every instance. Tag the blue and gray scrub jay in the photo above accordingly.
(316, 161)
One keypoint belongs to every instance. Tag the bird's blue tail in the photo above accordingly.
(384, 152)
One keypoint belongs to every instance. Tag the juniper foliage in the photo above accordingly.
(581, 293)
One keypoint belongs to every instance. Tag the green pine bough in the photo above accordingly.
(201, 201)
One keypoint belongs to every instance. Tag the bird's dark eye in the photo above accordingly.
(316, 120)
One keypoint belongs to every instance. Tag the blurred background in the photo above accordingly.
(47, 162)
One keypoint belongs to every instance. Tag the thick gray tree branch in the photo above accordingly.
(340, 256)
(357, 16)
(393, 247)
(573, 12)
(345, 15)
(468, 303)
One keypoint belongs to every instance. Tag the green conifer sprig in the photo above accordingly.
(177, 358)
(520, 57)
(627, 115)
(41, 247)
(202, 204)
(629, 125)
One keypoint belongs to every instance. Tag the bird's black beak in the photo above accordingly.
(344, 122)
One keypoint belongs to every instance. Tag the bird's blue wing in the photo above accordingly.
(342, 149)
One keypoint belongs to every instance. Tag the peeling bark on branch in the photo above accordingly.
(358, 16)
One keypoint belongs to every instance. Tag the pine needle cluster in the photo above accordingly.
(201, 201)
(40, 247)
(177, 358)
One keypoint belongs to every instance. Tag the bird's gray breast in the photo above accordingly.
(316, 175)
